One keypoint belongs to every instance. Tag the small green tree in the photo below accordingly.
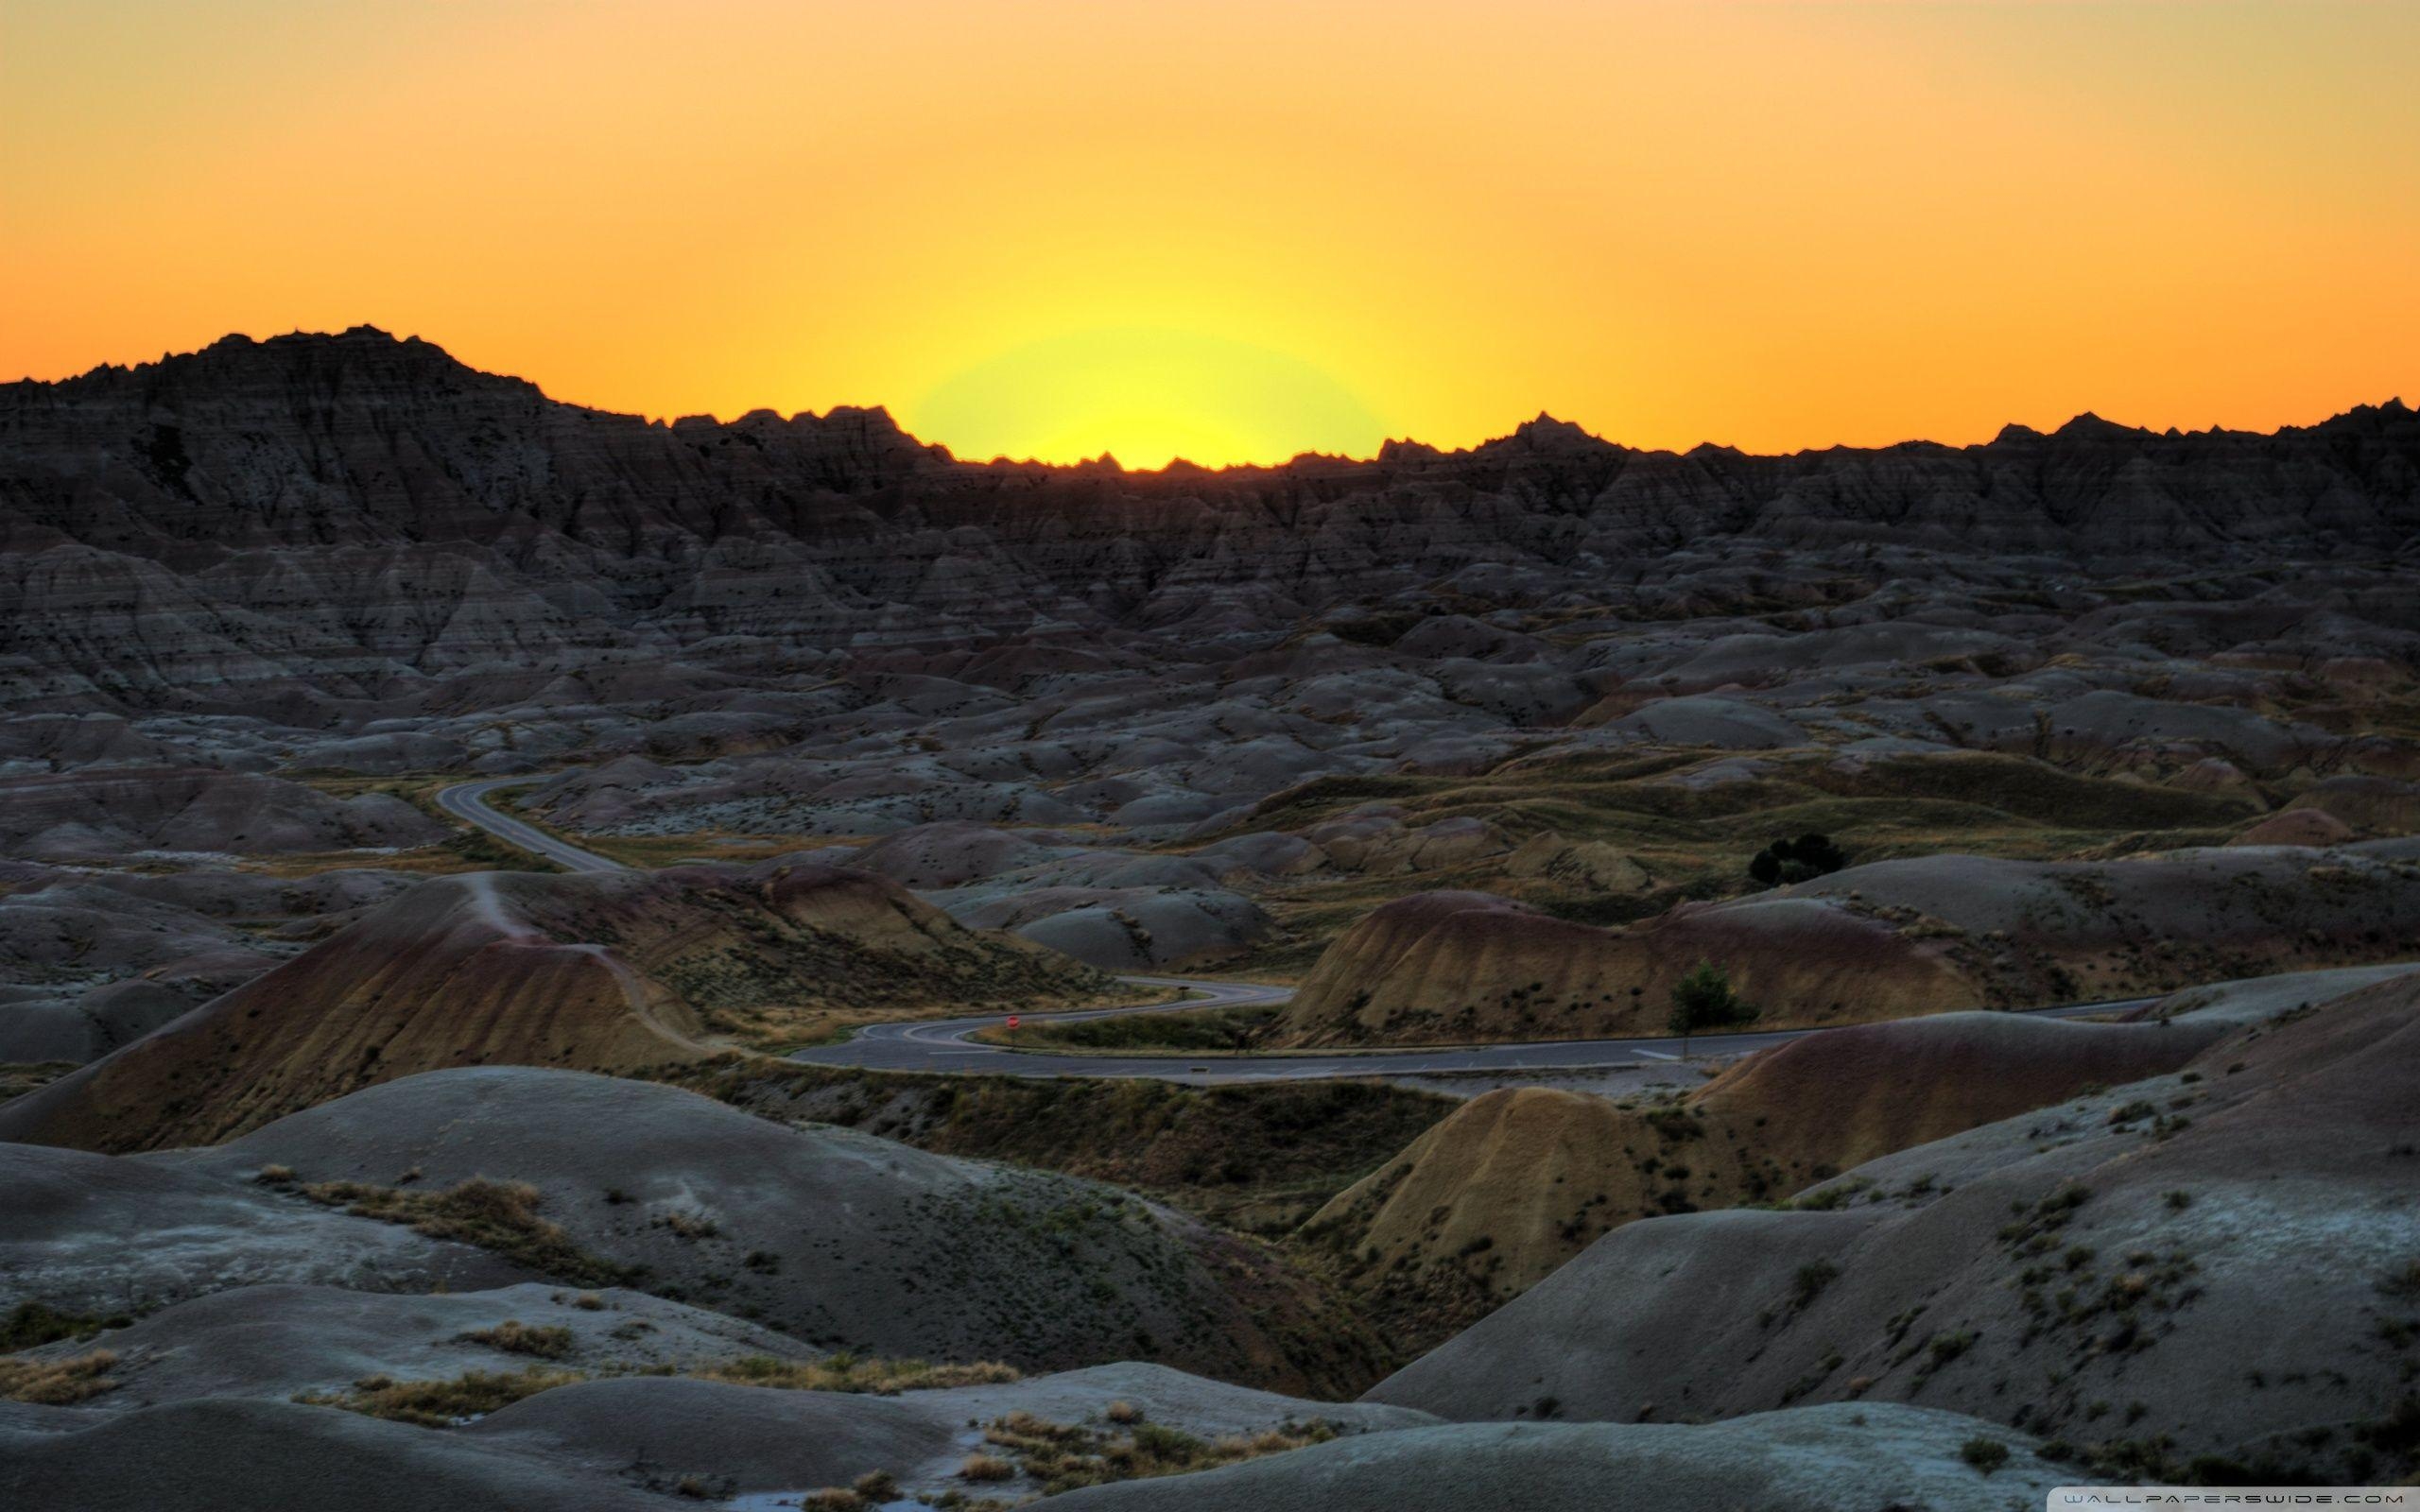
(1703, 1000)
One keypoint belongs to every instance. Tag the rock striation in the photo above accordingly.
(324, 525)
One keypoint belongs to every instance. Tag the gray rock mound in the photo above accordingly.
(230, 1455)
(274, 1340)
(113, 812)
(727, 1438)
(2223, 1252)
(839, 1238)
(105, 1234)
(1818, 1459)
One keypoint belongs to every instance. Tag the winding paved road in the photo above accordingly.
(468, 801)
(947, 1044)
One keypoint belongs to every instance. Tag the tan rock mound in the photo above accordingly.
(2207, 1273)
(1577, 863)
(2315, 828)
(1887, 940)
(2380, 805)
(611, 972)
(1450, 967)
(1514, 1183)
(1376, 842)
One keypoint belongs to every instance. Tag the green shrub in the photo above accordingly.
(29, 1324)
(1703, 1000)
(1985, 1454)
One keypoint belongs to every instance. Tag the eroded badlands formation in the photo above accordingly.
(355, 1156)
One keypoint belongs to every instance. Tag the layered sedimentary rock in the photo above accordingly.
(2123, 1253)
(324, 521)
(1880, 941)
(108, 814)
(613, 971)
(1517, 1182)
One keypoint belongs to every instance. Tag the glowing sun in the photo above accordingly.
(1144, 395)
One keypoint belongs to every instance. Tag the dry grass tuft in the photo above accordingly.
(56, 1383)
(476, 1393)
(1066, 1456)
(441, 1404)
(846, 1372)
(871, 1490)
(550, 1341)
(986, 1468)
(496, 1215)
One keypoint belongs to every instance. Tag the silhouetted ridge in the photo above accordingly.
(341, 516)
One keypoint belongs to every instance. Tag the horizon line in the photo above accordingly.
(1107, 461)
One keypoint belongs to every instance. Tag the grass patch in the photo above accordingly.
(1207, 1031)
(29, 1325)
(18, 1077)
(548, 1342)
(501, 1216)
(851, 1373)
(646, 853)
(442, 1403)
(1061, 1457)
(479, 850)
(1259, 1158)
(56, 1383)
(1695, 840)
(467, 849)
(1810, 1280)
(986, 1468)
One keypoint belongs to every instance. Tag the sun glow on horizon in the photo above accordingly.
(1239, 230)
(1147, 396)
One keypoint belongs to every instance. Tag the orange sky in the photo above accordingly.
(1244, 229)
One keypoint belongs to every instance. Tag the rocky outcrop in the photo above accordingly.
(858, 1242)
(2204, 1273)
(109, 812)
(1517, 1182)
(602, 971)
(322, 523)
(1590, 865)
(1830, 1459)
(1887, 940)
(1459, 967)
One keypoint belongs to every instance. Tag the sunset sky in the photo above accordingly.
(1240, 230)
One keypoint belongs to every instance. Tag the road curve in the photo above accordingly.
(468, 801)
(948, 1045)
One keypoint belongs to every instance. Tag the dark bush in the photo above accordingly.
(1809, 855)
(1703, 1000)
(1985, 1454)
